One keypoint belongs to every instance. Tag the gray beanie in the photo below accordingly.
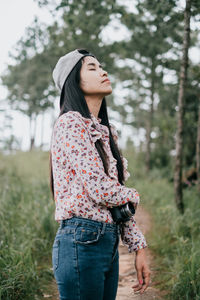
(64, 67)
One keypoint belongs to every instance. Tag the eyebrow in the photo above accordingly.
(93, 64)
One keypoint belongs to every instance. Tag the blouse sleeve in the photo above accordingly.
(73, 138)
(132, 237)
(130, 233)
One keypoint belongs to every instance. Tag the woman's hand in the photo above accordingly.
(143, 272)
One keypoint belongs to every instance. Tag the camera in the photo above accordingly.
(122, 213)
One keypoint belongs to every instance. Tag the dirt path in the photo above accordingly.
(127, 273)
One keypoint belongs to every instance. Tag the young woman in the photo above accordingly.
(87, 181)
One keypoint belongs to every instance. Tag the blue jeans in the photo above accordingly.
(85, 259)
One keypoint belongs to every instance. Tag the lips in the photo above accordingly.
(106, 80)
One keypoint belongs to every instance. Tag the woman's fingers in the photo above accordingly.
(142, 283)
(139, 276)
(137, 287)
(146, 275)
(146, 281)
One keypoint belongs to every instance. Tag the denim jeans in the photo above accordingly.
(85, 259)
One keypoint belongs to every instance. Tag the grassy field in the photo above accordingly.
(27, 227)
(175, 238)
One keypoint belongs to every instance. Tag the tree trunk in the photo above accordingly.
(198, 150)
(150, 121)
(30, 127)
(42, 131)
(34, 130)
(180, 113)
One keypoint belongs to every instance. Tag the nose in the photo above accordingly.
(104, 73)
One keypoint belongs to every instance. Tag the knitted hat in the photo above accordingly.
(65, 65)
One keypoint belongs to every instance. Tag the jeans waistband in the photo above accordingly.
(102, 225)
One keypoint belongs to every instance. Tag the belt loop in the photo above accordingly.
(103, 228)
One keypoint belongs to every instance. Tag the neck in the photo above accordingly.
(94, 104)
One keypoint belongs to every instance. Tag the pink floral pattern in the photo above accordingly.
(81, 186)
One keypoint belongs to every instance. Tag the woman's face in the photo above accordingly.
(93, 79)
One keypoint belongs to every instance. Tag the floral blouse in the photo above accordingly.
(81, 186)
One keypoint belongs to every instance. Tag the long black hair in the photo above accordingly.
(72, 99)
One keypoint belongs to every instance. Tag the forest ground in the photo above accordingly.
(127, 272)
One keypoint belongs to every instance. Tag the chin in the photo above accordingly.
(108, 92)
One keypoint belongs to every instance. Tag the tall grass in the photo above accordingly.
(175, 238)
(27, 225)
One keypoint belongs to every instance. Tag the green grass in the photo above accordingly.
(27, 227)
(175, 238)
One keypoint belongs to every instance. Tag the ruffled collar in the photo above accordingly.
(100, 131)
(97, 130)
(95, 120)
